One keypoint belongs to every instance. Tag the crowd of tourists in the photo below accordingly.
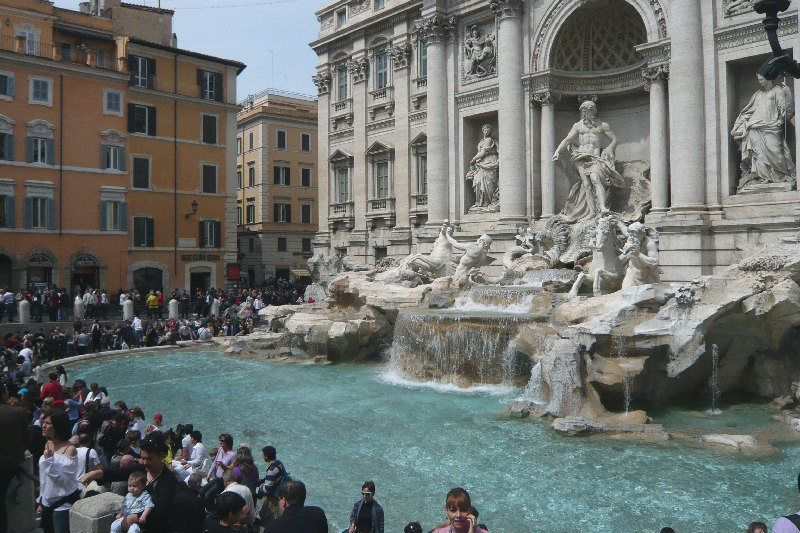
(82, 444)
(56, 304)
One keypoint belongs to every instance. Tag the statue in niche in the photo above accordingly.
(475, 256)
(590, 197)
(760, 130)
(479, 56)
(483, 172)
(640, 255)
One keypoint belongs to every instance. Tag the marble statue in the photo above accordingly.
(526, 244)
(421, 268)
(735, 7)
(475, 256)
(606, 270)
(640, 255)
(479, 54)
(760, 131)
(483, 172)
(590, 197)
(347, 264)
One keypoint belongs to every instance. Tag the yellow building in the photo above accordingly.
(276, 198)
(107, 144)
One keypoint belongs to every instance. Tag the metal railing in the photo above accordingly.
(55, 52)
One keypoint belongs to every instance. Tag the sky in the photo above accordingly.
(270, 36)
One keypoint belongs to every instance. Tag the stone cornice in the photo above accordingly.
(752, 32)
(483, 96)
(585, 83)
(656, 53)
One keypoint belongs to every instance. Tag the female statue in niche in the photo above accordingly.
(760, 131)
(483, 174)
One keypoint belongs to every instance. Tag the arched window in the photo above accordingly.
(599, 36)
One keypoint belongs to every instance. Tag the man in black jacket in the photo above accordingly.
(188, 511)
(295, 515)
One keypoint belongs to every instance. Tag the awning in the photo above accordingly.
(301, 273)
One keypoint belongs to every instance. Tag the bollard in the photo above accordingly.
(173, 309)
(127, 310)
(24, 311)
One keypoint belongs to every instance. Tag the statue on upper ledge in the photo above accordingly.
(591, 196)
(760, 130)
(734, 7)
(479, 54)
(483, 172)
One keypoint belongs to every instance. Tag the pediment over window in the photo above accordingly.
(40, 128)
(419, 141)
(6, 124)
(113, 137)
(379, 148)
(340, 156)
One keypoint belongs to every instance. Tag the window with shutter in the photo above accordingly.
(7, 85)
(141, 173)
(7, 146)
(305, 214)
(282, 175)
(281, 142)
(217, 233)
(305, 177)
(142, 71)
(251, 175)
(209, 179)
(209, 129)
(112, 157)
(305, 142)
(143, 232)
(8, 212)
(50, 209)
(282, 244)
(103, 216)
(141, 119)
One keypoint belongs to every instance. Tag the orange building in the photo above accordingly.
(277, 184)
(107, 144)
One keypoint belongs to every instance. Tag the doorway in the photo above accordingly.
(199, 280)
(148, 279)
(5, 272)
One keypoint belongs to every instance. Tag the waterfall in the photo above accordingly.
(477, 349)
(714, 382)
(504, 300)
(534, 390)
(619, 348)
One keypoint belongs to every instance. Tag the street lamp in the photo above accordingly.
(780, 63)
(194, 210)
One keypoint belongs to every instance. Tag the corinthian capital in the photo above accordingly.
(359, 68)
(435, 29)
(401, 55)
(653, 74)
(546, 98)
(323, 81)
(506, 8)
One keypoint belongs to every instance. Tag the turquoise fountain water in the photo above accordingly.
(337, 426)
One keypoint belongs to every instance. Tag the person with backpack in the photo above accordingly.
(789, 523)
(275, 476)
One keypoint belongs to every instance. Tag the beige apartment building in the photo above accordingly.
(276, 196)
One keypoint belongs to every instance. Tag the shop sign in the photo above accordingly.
(200, 257)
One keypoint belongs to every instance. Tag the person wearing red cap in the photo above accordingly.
(157, 424)
(53, 388)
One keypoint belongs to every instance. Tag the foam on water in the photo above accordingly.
(392, 376)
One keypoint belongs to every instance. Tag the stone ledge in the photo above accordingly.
(94, 514)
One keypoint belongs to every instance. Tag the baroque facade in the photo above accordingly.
(406, 88)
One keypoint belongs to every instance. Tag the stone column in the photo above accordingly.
(401, 63)
(513, 196)
(548, 100)
(435, 31)
(323, 80)
(659, 141)
(686, 102)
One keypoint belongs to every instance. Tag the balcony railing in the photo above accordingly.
(341, 210)
(22, 45)
(380, 207)
(380, 96)
(341, 108)
(420, 200)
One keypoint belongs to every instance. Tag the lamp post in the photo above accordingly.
(780, 63)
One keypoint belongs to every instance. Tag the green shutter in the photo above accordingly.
(151, 232)
(123, 159)
(276, 172)
(103, 214)
(131, 120)
(218, 92)
(151, 73)
(50, 148)
(27, 214)
(123, 216)
(275, 212)
(151, 121)
(133, 67)
(11, 86)
(51, 213)
(288, 213)
(288, 176)
(202, 238)
(11, 212)
(103, 159)
(9, 147)
(29, 149)
(217, 234)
